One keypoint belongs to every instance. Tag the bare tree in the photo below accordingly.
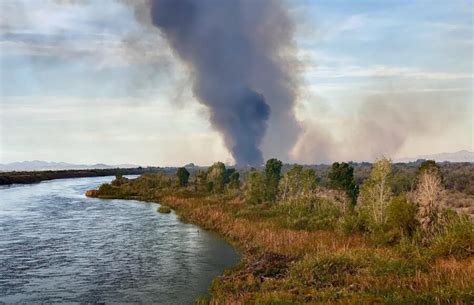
(428, 197)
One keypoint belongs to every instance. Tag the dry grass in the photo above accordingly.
(357, 272)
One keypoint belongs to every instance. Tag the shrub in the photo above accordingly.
(164, 209)
(408, 248)
(401, 215)
(255, 188)
(309, 214)
(106, 190)
(119, 180)
(400, 221)
(326, 270)
(183, 176)
(352, 222)
(455, 236)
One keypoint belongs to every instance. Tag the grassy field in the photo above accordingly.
(312, 250)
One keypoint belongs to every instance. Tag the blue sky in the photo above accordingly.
(87, 83)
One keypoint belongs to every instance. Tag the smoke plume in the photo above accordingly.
(239, 55)
(382, 123)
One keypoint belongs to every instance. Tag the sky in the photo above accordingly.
(85, 82)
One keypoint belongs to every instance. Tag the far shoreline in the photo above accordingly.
(29, 177)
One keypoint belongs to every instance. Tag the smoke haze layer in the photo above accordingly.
(235, 52)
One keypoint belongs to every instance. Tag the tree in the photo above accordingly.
(272, 178)
(119, 180)
(254, 191)
(234, 180)
(201, 180)
(376, 192)
(297, 182)
(428, 197)
(183, 176)
(216, 177)
(429, 166)
(341, 177)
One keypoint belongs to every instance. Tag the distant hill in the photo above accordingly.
(460, 156)
(44, 165)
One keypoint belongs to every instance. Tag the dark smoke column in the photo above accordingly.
(230, 48)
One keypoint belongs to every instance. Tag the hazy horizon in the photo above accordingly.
(91, 82)
(459, 156)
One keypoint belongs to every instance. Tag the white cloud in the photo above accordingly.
(382, 71)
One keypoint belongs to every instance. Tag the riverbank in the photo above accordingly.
(288, 262)
(27, 177)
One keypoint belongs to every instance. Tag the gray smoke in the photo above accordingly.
(238, 54)
(382, 124)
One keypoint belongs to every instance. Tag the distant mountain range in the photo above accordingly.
(43, 165)
(460, 156)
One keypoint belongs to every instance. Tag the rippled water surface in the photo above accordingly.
(56, 245)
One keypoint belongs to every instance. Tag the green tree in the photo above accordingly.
(216, 177)
(254, 190)
(341, 177)
(297, 182)
(376, 193)
(234, 180)
(183, 176)
(428, 166)
(272, 178)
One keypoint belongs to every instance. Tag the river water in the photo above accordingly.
(58, 246)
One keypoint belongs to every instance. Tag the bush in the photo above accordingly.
(164, 209)
(401, 222)
(309, 214)
(401, 216)
(352, 222)
(106, 190)
(255, 188)
(183, 176)
(455, 237)
(119, 180)
(327, 270)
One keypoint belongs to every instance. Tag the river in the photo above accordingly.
(58, 246)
